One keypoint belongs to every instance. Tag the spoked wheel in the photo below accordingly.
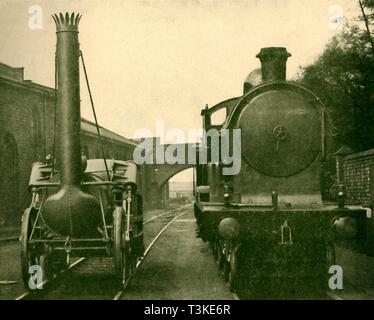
(122, 252)
(127, 264)
(31, 256)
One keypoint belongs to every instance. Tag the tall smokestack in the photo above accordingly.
(68, 99)
(273, 63)
(70, 211)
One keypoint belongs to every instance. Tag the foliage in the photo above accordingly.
(343, 77)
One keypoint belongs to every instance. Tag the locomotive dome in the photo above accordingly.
(253, 79)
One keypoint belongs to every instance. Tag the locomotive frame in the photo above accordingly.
(122, 223)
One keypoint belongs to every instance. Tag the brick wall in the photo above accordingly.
(356, 171)
(22, 142)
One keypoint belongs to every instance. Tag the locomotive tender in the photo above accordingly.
(268, 228)
(79, 207)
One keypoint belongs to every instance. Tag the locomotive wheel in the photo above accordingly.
(127, 264)
(117, 239)
(225, 263)
(234, 276)
(30, 255)
(122, 254)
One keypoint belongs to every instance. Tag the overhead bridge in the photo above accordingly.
(163, 162)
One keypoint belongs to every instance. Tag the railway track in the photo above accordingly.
(140, 262)
(334, 296)
(80, 263)
(165, 214)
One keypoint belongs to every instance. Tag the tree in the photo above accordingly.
(343, 77)
(369, 4)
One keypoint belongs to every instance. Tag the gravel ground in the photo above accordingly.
(180, 266)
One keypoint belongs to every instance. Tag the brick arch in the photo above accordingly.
(167, 171)
(157, 190)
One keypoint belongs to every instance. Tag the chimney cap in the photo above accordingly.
(67, 22)
(271, 52)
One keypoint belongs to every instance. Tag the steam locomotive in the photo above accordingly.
(79, 207)
(269, 230)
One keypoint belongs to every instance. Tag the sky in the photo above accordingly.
(163, 61)
(183, 176)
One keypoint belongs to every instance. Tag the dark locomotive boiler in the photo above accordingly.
(79, 207)
(267, 225)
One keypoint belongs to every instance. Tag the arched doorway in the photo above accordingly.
(9, 193)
